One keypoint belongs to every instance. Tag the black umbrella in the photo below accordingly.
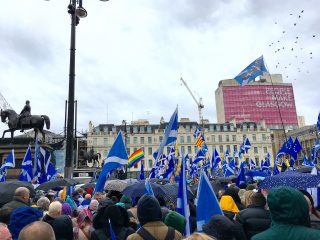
(172, 190)
(138, 189)
(216, 186)
(7, 190)
(60, 182)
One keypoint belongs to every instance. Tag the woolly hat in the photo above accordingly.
(176, 220)
(21, 217)
(127, 201)
(149, 210)
(219, 227)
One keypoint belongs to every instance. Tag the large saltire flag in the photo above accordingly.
(182, 200)
(199, 157)
(215, 160)
(116, 158)
(9, 163)
(26, 167)
(255, 69)
(207, 202)
(230, 170)
(170, 135)
(135, 157)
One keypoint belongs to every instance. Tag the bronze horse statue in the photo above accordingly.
(33, 121)
(90, 157)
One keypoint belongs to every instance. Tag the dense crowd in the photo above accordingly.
(249, 213)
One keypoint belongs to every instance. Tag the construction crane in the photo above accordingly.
(199, 103)
(3, 103)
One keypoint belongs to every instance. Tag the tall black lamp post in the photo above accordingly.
(76, 12)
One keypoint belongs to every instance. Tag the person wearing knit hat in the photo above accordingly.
(220, 227)
(21, 217)
(176, 220)
(150, 216)
(127, 201)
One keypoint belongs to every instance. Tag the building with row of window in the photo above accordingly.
(149, 136)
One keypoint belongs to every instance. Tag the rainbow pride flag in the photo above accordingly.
(135, 157)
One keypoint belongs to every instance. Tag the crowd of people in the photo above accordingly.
(249, 213)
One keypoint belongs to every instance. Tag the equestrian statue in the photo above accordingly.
(24, 121)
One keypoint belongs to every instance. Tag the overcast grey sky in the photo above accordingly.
(131, 54)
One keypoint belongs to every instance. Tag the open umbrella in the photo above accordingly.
(7, 190)
(172, 190)
(138, 189)
(115, 185)
(290, 179)
(216, 186)
(60, 182)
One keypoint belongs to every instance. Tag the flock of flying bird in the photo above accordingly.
(290, 49)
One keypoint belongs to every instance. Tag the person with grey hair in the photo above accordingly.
(37, 230)
(55, 209)
(43, 204)
(21, 198)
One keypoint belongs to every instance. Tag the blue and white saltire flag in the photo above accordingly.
(246, 145)
(252, 164)
(170, 134)
(204, 148)
(193, 170)
(116, 158)
(318, 122)
(226, 154)
(241, 176)
(51, 172)
(141, 176)
(268, 159)
(215, 160)
(9, 163)
(207, 202)
(265, 167)
(199, 157)
(314, 155)
(112, 234)
(255, 69)
(196, 132)
(170, 168)
(230, 169)
(317, 145)
(224, 165)
(148, 188)
(242, 151)
(306, 161)
(43, 162)
(295, 149)
(26, 167)
(182, 200)
(275, 169)
(315, 192)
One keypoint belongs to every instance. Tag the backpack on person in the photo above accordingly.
(147, 236)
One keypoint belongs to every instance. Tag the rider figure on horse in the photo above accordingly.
(26, 112)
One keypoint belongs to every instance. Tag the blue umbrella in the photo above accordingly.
(138, 189)
(290, 179)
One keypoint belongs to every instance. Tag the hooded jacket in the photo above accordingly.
(290, 216)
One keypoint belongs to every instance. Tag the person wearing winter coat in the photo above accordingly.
(255, 218)
(290, 216)
(150, 218)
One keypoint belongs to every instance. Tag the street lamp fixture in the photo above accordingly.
(76, 11)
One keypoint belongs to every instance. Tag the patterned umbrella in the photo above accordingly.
(115, 185)
(291, 179)
(138, 189)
